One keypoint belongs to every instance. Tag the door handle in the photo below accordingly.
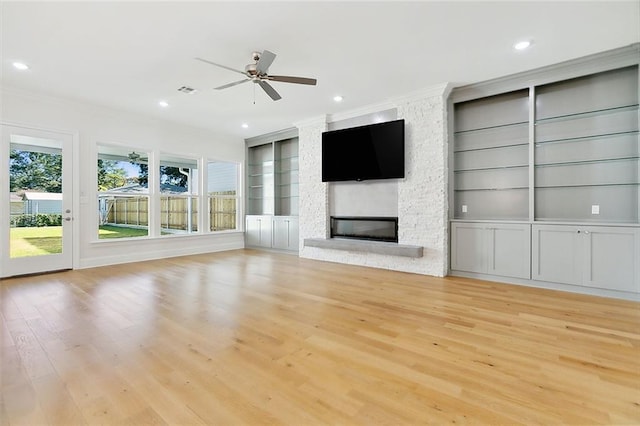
(67, 219)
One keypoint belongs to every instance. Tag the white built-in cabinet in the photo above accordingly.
(491, 248)
(259, 230)
(272, 192)
(285, 233)
(594, 256)
(545, 176)
(278, 232)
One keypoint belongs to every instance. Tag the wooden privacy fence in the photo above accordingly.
(222, 213)
(174, 212)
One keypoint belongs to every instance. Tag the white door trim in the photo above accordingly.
(72, 188)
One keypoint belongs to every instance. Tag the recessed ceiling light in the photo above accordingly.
(163, 104)
(20, 66)
(245, 126)
(522, 45)
(338, 98)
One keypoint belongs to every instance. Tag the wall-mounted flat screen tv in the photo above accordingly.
(375, 151)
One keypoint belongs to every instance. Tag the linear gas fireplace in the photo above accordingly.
(365, 228)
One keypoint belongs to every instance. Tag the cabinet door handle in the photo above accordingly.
(586, 232)
(578, 231)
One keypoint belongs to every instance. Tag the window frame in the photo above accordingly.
(202, 221)
(122, 195)
(193, 227)
(238, 197)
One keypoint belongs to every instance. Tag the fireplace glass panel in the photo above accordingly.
(365, 228)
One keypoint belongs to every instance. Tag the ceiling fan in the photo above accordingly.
(133, 156)
(257, 72)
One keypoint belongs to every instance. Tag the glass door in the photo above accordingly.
(36, 229)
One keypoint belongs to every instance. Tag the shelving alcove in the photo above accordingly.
(545, 177)
(272, 191)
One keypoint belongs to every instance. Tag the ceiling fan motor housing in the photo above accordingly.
(251, 69)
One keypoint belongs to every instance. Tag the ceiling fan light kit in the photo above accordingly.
(134, 156)
(258, 73)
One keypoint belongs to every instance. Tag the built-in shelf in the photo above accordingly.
(492, 189)
(500, 126)
(390, 249)
(491, 147)
(517, 166)
(582, 140)
(570, 144)
(538, 144)
(593, 113)
(273, 178)
(272, 192)
(601, 160)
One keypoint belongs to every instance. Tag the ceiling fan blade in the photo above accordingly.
(221, 66)
(265, 61)
(270, 90)
(235, 83)
(290, 79)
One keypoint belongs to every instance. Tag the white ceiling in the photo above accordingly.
(130, 55)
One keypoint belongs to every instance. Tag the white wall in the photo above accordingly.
(369, 198)
(422, 195)
(93, 125)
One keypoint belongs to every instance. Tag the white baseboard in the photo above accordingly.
(140, 256)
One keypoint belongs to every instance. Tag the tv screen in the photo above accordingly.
(361, 153)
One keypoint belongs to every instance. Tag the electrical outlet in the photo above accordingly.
(595, 209)
(464, 208)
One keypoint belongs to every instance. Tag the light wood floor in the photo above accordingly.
(249, 337)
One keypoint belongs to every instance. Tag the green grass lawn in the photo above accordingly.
(38, 241)
(108, 231)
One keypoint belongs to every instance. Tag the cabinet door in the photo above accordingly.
(612, 258)
(258, 232)
(285, 233)
(294, 234)
(557, 254)
(509, 253)
(468, 247)
(253, 231)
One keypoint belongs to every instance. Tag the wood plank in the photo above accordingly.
(251, 337)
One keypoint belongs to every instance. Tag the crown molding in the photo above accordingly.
(438, 90)
(278, 135)
(313, 121)
(358, 112)
(591, 64)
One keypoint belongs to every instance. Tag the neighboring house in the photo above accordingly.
(17, 203)
(42, 202)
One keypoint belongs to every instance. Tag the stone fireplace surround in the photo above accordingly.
(421, 196)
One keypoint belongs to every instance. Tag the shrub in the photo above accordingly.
(41, 219)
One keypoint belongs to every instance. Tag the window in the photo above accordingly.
(123, 192)
(222, 195)
(149, 194)
(178, 194)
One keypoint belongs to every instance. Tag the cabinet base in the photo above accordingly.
(592, 291)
